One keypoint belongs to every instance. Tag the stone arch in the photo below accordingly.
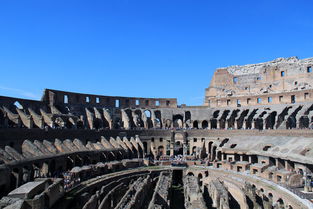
(139, 122)
(205, 124)
(187, 115)
(168, 123)
(200, 177)
(222, 120)
(190, 173)
(145, 147)
(158, 119)
(178, 121)
(249, 120)
(210, 147)
(270, 120)
(213, 153)
(232, 120)
(304, 122)
(241, 120)
(258, 123)
(130, 117)
(195, 124)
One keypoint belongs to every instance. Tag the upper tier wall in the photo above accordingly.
(281, 81)
(54, 97)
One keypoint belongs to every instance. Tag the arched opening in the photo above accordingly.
(292, 120)
(194, 150)
(232, 120)
(210, 147)
(195, 124)
(137, 118)
(200, 179)
(161, 151)
(222, 120)
(215, 114)
(205, 124)
(168, 123)
(178, 148)
(219, 155)
(249, 120)
(259, 123)
(158, 118)
(145, 147)
(178, 124)
(187, 115)
(270, 120)
(213, 123)
(304, 122)
(117, 123)
(241, 120)
(178, 121)
(214, 153)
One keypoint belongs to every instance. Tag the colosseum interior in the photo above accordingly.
(249, 146)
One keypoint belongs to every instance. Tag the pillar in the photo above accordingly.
(250, 159)
(217, 124)
(235, 125)
(185, 143)
(241, 157)
(172, 142)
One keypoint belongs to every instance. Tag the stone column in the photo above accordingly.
(250, 159)
(253, 124)
(172, 142)
(226, 125)
(241, 157)
(217, 124)
(185, 143)
(235, 125)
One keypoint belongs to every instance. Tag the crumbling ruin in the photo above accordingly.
(249, 146)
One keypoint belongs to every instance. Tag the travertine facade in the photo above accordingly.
(281, 81)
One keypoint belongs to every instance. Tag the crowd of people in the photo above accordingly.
(70, 180)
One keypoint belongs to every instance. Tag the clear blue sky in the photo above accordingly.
(148, 48)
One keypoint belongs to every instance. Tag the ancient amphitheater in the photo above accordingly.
(249, 146)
